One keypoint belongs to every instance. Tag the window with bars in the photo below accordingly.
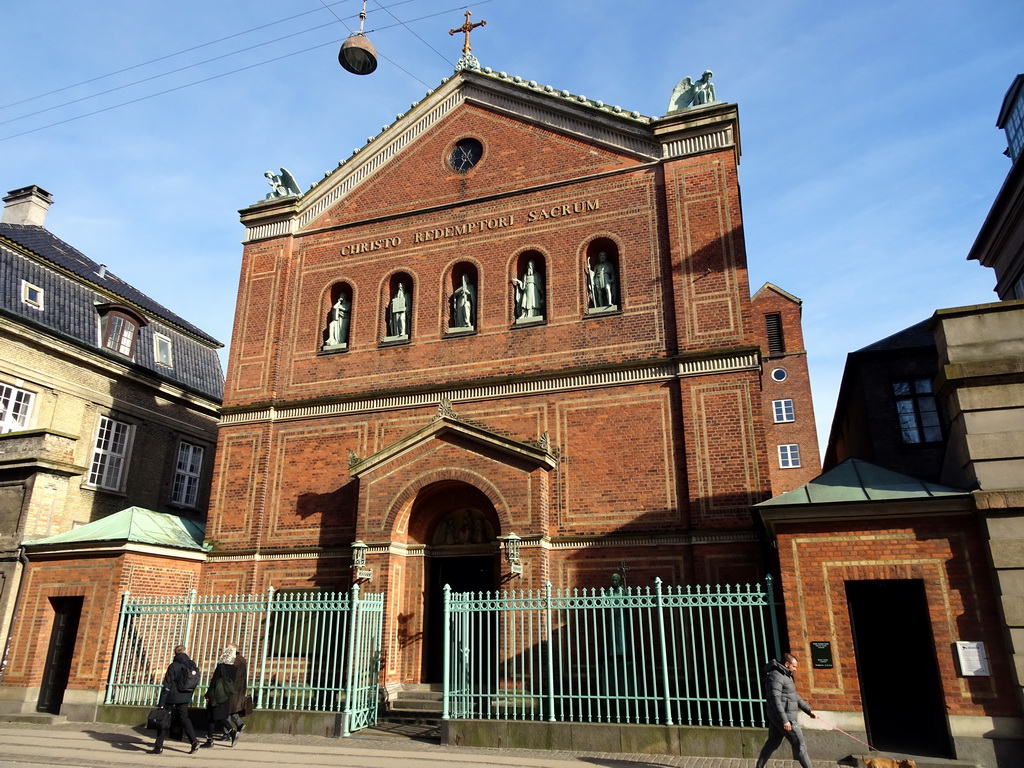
(917, 411)
(783, 410)
(776, 341)
(187, 473)
(15, 408)
(789, 456)
(109, 465)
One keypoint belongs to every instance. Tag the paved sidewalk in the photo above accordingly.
(101, 745)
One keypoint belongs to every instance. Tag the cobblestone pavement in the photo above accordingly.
(101, 745)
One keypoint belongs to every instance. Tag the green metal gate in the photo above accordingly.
(661, 655)
(306, 651)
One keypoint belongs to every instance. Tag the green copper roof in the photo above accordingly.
(858, 481)
(136, 525)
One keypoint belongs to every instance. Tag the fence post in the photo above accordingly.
(116, 655)
(550, 652)
(350, 655)
(446, 666)
(663, 650)
(266, 645)
(770, 596)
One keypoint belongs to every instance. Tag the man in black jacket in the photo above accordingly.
(175, 695)
(782, 704)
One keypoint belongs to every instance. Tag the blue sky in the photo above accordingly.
(870, 153)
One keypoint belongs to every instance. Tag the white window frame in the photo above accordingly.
(789, 456)
(188, 474)
(15, 408)
(112, 448)
(159, 338)
(783, 411)
(26, 288)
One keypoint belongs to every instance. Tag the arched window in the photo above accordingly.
(602, 273)
(119, 328)
(463, 294)
(398, 308)
(529, 289)
(339, 318)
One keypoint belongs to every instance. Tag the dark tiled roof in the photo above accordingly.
(44, 243)
(916, 336)
(69, 308)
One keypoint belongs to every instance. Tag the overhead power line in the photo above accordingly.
(216, 58)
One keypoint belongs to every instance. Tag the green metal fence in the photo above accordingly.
(305, 650)
(661, 655)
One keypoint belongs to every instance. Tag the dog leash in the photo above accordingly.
(832, 725)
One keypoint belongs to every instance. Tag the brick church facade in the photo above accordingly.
(515, 317)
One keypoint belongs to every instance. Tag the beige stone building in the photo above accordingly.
(107, 400)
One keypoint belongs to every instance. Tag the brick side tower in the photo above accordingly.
(514, 311)
(793, 454)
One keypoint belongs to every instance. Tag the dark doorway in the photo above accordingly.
(66, 614)
(899, 677)
(463, 574)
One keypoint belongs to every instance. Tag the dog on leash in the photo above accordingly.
(885, 762)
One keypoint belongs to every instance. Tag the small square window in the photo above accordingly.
(783, 410)
(789, 456)
(162, 350)
(31, 295)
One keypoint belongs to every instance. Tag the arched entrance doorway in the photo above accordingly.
(459, 527)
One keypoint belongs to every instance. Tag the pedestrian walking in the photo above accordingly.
(218, 698)
(180, 681)
(240, 704)
(782, 704)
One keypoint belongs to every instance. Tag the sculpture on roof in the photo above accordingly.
(281, 185)
(690, 94)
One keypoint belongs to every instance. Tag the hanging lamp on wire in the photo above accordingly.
(357, 54)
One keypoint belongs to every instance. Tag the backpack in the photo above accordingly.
(188, 677)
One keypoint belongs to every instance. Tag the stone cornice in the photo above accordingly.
(745, 360)
(528, 542)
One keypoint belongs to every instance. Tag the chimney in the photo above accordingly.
(27, 205)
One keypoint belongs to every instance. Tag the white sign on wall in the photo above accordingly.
(973, 658)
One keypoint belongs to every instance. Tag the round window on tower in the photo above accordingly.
(779, 374)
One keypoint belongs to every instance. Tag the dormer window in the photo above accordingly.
(119, 328)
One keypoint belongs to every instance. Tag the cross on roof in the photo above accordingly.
(467, 27)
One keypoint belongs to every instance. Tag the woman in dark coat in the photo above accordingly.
(238, 707)
(218, 697)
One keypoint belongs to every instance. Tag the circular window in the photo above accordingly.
(779, 374)
(465, 154)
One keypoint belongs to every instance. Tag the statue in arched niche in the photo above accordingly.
(398, 312)
(337, 327)
(465, 526)
(529, 294)
(602, 282)
(463, 314)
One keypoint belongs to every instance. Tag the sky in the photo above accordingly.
(870, 155)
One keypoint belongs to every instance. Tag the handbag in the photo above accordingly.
(156, 719)
(248, 706)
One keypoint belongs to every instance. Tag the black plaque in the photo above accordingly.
(821, 654)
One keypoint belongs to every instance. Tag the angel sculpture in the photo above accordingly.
(682, 95)
(690, 94)
(283, 185)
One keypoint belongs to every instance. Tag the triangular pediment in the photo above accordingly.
(550, 130)
(448, 425)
